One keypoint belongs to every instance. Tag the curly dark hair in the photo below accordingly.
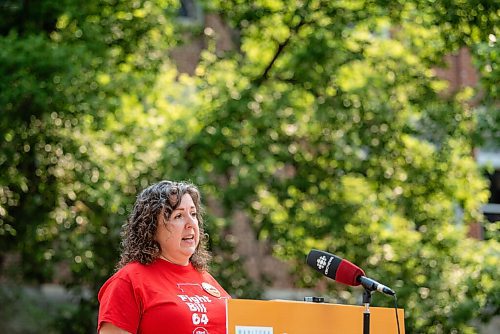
(138, 234)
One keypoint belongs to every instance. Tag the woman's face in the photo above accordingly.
(180, 235)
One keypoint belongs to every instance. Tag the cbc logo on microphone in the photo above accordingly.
(321, 262)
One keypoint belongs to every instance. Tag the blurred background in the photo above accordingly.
(365, 128)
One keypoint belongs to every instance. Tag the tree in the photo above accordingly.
(73, 79)
(332, 131)
(327, 127)
(93, 113)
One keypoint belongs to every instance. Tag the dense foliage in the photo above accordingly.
(326, 127)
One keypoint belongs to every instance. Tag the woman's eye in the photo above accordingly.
(193, 214)
(177, 216)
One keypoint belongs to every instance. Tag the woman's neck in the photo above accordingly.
(168, 260)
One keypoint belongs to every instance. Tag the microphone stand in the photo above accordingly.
(367, 297)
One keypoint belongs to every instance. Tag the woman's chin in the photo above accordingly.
(188, 251)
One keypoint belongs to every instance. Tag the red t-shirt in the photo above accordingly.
(163, 298)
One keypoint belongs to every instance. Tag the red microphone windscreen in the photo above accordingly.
(347, 273)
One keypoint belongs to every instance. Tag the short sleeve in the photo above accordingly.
(119, 305)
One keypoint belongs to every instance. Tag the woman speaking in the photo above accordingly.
(162, 284)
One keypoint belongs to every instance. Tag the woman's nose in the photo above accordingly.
(191, 221)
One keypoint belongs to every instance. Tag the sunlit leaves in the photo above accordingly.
(326, 128)
(356, 148)
(83, 129)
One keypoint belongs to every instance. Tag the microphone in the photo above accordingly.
(343, 271)
(373, 285)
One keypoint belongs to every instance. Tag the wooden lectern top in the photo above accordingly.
(292, 317)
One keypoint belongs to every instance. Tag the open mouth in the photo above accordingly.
(188, 238)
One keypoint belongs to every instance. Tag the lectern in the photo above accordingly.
(292, 317)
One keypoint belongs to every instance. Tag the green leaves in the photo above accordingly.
(327, 128)
(353, 145)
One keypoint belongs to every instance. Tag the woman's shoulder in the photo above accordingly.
(208, 277)
(130, 273)
(211, 285)
(133, 268)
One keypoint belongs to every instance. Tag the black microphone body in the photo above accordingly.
(373, 285)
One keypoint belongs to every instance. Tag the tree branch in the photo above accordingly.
(265, 75)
